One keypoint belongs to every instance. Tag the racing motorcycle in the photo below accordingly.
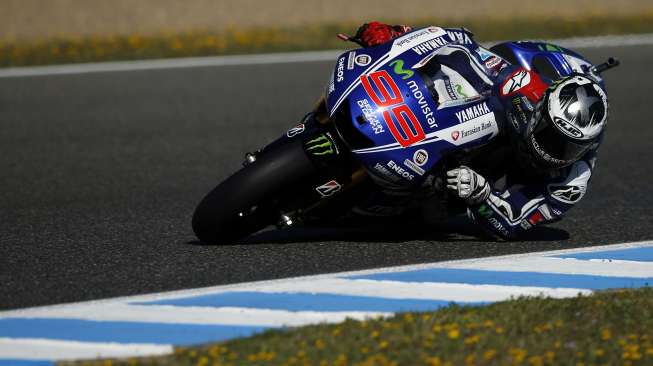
(382, 123)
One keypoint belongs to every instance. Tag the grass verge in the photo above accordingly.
(204, 43)
(607, 328)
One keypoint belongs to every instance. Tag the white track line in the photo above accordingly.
(458, 292)
(273, 58)
(172, 63)
(564, 266)
(46, 349)
(329, 276)
(167, 314)
(124, 309)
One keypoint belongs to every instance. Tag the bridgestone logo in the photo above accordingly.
(329, 188)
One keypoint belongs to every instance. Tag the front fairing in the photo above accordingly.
(379, 95)
(561, 61)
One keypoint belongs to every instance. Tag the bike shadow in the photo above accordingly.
(457, 230)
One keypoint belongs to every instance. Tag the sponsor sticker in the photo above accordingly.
(398, 68)
(399, 170)
(362, 60)
(455, 135)
(498, 226)
(322, 145)
(567, 194)
(368, 112)
(460, 37)
(340, 70)
(413, 37)
(414, 167)
(354, 60)
(484, 54)
(449, 88)
(567, 128)
(493, 62)
(329, 188)
(519, 119)
(350, 60)
(472, 112)
(430, 45)
(460, 91)
(423, 104)
(518, 80)
(421, 157)
(296, 130)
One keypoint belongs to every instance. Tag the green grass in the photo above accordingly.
(236, 41)
(607, 328)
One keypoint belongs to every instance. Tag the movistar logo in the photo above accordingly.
(399, 69)
(320, 145)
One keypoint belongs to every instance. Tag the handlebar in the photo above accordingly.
(598, 69)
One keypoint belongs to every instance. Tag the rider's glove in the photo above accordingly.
(375, 33)
(468, 185)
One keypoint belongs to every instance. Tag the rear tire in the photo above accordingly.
(248, 200)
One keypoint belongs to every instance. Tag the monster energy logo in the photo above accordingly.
(321, 145)
(459, 89)
(484, 211)
(399, 69)
(550, 47)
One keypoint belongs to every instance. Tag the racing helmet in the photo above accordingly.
(568, 122)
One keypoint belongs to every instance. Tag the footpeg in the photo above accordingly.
(285, 221)
(249, 158)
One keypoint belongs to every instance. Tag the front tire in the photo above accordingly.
(249, 200)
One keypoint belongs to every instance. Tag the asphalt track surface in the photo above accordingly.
(100, 174)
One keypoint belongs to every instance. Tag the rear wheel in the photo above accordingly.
(250, 199)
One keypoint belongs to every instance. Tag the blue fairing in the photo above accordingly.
(563, 60)
(403, 129)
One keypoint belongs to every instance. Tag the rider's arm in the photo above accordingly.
(511, 211)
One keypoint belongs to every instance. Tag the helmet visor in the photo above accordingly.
(553, 146)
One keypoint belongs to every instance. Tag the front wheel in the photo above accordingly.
(250, 199)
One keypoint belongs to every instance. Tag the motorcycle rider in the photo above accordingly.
(541, 163)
